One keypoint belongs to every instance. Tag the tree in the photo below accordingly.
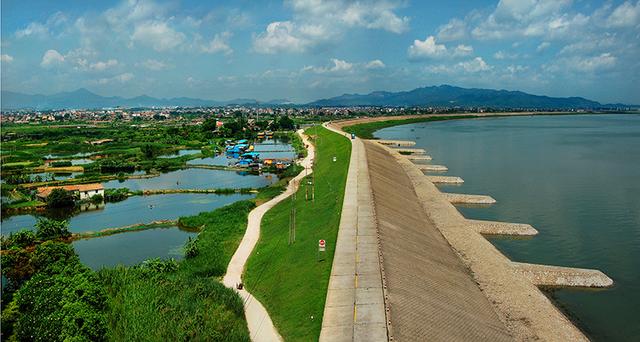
(66, 306)
(149, 151)
(96, 199)
(60, 198)
(285, 122)
(47, 229)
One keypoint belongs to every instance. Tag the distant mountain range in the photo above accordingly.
(449, 96)
(436, 96)
(83, 98)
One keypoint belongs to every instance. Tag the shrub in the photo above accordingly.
(191, 248)
(97, 198)
(66, 306)
(47, 229)
(19, 239)
(60, 198)
(62, 163)
(116, 195)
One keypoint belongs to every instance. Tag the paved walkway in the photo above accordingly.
(261, 328)
(354, 308)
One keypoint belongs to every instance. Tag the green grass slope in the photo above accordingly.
(288, 279)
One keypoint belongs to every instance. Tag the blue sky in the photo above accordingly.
(303, 50)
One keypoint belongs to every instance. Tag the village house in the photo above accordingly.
(82, 191)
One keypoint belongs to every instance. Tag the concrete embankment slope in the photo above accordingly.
(431, 294)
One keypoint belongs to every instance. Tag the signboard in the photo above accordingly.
(321, 245)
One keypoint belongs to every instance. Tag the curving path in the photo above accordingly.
(261, 327)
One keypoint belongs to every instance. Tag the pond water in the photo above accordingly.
(574, 178)
(180, 153)
(47, 176)
(268, 149)
(136, 209)
(62, 156)
(132, 248)
(81, 161)
(197, 179)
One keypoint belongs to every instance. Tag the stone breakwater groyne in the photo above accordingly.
(432, 168)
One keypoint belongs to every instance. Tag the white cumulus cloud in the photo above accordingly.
(475, 65)
(280, 36)
(51, 58)
(4, 58)
(626, 14)
(375, 64)
(427, 48)
(153, 64)
(101, 66)
(157, 34)
(315, 22)
(219, 43)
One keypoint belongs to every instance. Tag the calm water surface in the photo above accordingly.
(136, 209)
(196, 179)
(132, 248)
(574, 178)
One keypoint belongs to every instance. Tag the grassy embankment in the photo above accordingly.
(188, 303)
(288, 279)
(365, 130)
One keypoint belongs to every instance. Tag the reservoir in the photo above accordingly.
(575, 178)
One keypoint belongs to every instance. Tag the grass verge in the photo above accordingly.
(288, 279)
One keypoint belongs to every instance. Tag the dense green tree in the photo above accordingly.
(65, 306)
(60, 198)
(286, 123)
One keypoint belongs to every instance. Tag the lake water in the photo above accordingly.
(574, 178)
(196, 179)
(132, 248)
(133, 210)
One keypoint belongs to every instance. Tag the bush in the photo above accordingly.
(67, 306)
(19, 239)
(191, 248)
(60, 198)
(97, 198)
(47, 229)
(62, 163)
(116, 195)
